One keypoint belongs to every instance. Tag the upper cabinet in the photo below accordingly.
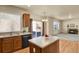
(27, 21)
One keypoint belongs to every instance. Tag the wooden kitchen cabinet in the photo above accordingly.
(77, 46)
(26, 20)
(67, 46)
(10, 44)
(0, 45)
(51, 48)
(7, 45)
(17, 42)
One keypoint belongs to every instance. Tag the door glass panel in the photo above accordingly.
(36, 28)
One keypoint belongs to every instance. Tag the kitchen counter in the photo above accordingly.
(43, 42)
(14, 34)
(10, 42)
(71, 37)
(61, 43)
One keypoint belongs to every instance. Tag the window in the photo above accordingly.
(56, 27)
(9, 22)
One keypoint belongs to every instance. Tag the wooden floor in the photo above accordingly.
(25, 50)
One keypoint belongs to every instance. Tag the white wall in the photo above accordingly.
(51, 28)
(9, 22)
(63, 25)
(11, 15)
(65, 22)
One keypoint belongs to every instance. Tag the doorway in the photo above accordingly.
(37, 29)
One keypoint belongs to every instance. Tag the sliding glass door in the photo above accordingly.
(37, 28)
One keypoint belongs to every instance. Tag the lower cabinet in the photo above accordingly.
(7, 45)
(77, 46)
(0, 45)
(10, 44)
(17, 43)
(67, 46)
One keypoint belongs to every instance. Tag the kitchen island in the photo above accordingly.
(11, 42)
(62, 43)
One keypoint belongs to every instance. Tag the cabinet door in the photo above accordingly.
(52, 48)
(77, 46)
(7, 45)
(17, 42)
(0, 45)
(26, 20)
(67, 46)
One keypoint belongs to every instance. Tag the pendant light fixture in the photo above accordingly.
(44, 17)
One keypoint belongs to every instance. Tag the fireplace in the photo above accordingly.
(73, 31)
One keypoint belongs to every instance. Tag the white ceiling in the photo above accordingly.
(53, 11)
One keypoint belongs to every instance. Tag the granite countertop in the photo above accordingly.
(43, 42)
(14, 34)
(72, 37)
